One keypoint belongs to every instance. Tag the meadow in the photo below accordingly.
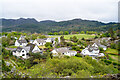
(79, 36)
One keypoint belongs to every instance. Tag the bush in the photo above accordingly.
(78, 55)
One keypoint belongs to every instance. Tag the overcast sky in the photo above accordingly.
(59, 10)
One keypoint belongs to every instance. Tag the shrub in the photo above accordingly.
(78, 55)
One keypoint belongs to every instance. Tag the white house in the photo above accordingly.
(92, 50)
(21, 43)
(22, 51)
(63, 51)
(22, 37)
(39, 42)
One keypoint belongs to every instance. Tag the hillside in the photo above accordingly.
(32, 25)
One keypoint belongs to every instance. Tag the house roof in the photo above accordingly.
(40, 40)
(63, 50)
(31, 46)
(22, 41)
(27, 49)
(19, 49)
(93, 47)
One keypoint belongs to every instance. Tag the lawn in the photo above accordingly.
(41, 46)
(79, 36)
(12, 46)
(111, 51)
(114, 57)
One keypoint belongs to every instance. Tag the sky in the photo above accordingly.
(60, 10)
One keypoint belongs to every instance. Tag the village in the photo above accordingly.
(27, 50)
(24, 48)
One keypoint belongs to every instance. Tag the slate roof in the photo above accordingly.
(40, 40)
(27, 49)
(31, 46)
(93, 47)
(22, 41)
(19, 49)
(63, 50)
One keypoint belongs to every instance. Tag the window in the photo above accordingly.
(39, 43)
(23, 51)
(62, 53)
(23, 54)
(27, 54)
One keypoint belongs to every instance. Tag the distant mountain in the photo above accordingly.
(32, 25)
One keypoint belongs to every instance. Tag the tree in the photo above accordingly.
(83, 38)
(75, 39)
(66, 32)
(48, 44)
(50, 33)
(82, 32)
(111, 32)
(61, 32)
(55, 33)
(56, 40)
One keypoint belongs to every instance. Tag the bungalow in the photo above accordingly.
(21, 43)
(92, 50)
(63, 51)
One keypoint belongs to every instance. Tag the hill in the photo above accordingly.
(32, 25)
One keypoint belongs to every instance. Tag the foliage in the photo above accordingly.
(73, 67)
(48, 44)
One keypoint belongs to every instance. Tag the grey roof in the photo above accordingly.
(40, 40)
(91, 48)
(63, 50)
(19, 49)
(31, 46)
(22, 41)
(12, 49)
(27, 49)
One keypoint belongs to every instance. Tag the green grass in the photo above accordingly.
(114, 57)
(12, 46)
(79, 36)
(41, 46)
(111, 51)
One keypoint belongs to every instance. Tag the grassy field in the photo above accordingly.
(79, 36)
(114, 57)
(12, 46)
(111, 51)
(41, 46)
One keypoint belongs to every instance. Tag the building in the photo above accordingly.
(92, 50)
(39, 42)
(24, 51)
(21, 43)
(63, 51)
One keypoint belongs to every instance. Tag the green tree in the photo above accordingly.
(48, 44)
(55, 33)
(66, 32)
(82, 32)
(61, 32)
